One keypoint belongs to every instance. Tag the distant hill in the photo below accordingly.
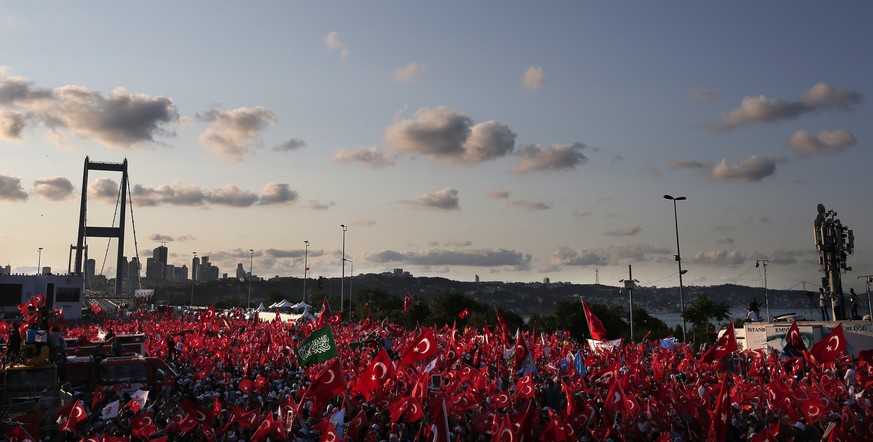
(523, 298)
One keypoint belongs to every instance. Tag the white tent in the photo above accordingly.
(260, 308)
(282, 304)
(302, 305)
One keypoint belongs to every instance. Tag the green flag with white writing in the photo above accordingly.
(318, 347)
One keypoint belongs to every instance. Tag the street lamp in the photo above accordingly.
(630, 284)
(343, 277)
(194, 275)
(251, 261)
(351, 278)
(678, 258)
(305, 267)
(39, 262)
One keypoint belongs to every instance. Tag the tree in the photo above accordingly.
(700, 313)
(274, 297)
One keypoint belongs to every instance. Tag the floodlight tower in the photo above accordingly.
(834, 243)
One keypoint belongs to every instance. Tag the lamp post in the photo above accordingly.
(630, 284)
(351, 278)
(678, 258)
(194, 279)
(764, 262)
(343, 277)
(869, 279)
(39, 261)
(251, 263)
(305, 267)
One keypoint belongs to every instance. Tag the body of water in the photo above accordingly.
(673, 319)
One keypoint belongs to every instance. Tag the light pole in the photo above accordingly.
(678, 258)
(305, 267)
(630, 284)
(251, 262)
(39, 262)
(764, 262)
(343, 277)
(194, 278)
(351, 278)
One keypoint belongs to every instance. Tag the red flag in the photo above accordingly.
(356, 425)
(831, 347)
(330, 382)
(97, 397)
(202, 416)
(77, 414)
(439, 427)
(424, 347)
(521, 353)
(504, 328)
(143, 424)
(524, 389)
(19, 434)
(380, 370)
(327, 430)
(793, 338)
(464, 313)
(407, 300)
(596, 328)
(724, 346)
(324, 315)
(721, 415)
(265, 429)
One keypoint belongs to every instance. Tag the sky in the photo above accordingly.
(515, 141)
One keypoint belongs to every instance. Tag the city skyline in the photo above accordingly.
(510, 141)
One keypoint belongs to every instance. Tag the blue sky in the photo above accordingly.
(513, 140)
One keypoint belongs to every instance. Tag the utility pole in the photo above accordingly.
(629, 285)
(834, 242)
(766, 301)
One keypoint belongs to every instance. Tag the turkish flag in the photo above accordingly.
(143, 424)
(424, 347)
(414, 410)
(330, 382)
(327, 430)
(521, 353)
(724, 346)
(357, 424)
(396, 409)
(19, 434)
(793, 338)
(504, 328)
(77, 414)
(464, 313)
(524, 389)
(265, 429)
(505, 431)
(379, 371)
(721, 415)
(407, 300)
(324, 315)
(598, 331)
(439, 427)
(201, 415)
(246, 385)
(831, 347)
(617, 401)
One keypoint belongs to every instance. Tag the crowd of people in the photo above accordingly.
(239, 379)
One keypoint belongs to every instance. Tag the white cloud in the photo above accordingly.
(292, 144)
(528, 204)
(752, 170)
(370, 157)
(762, 109)
(10, 189)
(277, 193)
(534, 78)
(235, 133)
(103, 189)
(724, 239)
(717, 257)
(334, 44)
(53, 189)
(409, 72)
(445, 199)
(825, 142)
(498, 193)
(537, 158)
(566, 256)
(624, 231)
(11, 125)
(703, 94)
(232, 196)
(440, 257)
(446, 136)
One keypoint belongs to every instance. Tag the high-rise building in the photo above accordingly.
(133, 269)
(195, 269)
(240, 271)
(6, 270)
(90, 269)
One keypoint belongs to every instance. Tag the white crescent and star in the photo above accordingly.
(330, 381)
(199, 416)
(812, 408)
(426, 343)
(836, 345)
(376, 370)
(506, 431)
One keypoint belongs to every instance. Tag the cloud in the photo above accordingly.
(446, 136)
(719, 257)
(318, 205)
(177, 193)
(370, 157)
(825, 142)
(235, 133)
(10, 189)
(498, 193)
(292, 144)
(53, 189)
(565, 256)
(277, 193)
(534, 78)
(537, 158)
(121, 119)
(157, 237)
(762, 109)
(230, 195)
(690, 164)
(624, 231)
(531, 205)
(11, 125)
(582, 213)
(703, 94)
(293, 253)
(752, 170)
(439, 257)
(649, 169)
(724, 239)
(103, 189)
(409, 72)
(445, 199)
(334, 44)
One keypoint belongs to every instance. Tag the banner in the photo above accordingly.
(318, 347)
